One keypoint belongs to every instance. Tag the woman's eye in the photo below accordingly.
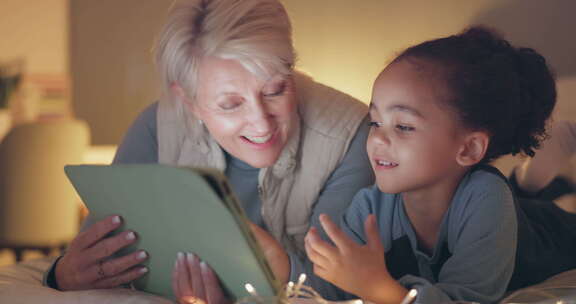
(229, 105)
(375, 124)
(276, 90)
(404, 128)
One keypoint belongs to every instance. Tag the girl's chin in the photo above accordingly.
(387, 187)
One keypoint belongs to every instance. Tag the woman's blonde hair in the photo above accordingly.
(256, 33)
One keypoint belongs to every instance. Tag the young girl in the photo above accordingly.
(439, 219)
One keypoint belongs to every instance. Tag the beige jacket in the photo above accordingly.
(289, 189)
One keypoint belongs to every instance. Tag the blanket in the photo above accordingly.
(22, 283)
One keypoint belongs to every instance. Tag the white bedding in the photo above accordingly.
(22, 283)
(560, 286)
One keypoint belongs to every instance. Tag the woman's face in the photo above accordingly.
(251, 118)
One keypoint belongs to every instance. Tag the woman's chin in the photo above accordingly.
(261, 160)
(261, 155)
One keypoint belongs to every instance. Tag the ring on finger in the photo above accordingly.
(191, 300)
(101, 269)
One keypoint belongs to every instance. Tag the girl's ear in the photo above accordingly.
(473, 149)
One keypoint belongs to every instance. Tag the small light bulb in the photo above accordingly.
(249, 288)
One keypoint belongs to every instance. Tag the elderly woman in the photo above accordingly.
(291, 148)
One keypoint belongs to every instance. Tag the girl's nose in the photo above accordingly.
(379, 136)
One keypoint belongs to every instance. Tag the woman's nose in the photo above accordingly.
(260, 117)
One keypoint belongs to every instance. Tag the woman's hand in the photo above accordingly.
(274, 253)
(194, 282)
(358, 269)
(87, 263)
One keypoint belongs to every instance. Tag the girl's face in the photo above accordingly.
(251, 118)
(415, 137)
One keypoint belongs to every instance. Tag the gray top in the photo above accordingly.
(474, 256)
(140, 146)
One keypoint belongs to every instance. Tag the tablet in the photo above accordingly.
(177, 209)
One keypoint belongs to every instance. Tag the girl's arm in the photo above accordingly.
(358, 269)
(481, 237)
(363, 204)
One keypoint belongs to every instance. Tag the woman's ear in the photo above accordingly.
(473, 149)
(179, 92)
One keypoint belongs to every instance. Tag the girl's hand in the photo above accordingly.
(274, 253)
(358, 269)
(194, 282)
(87, 263)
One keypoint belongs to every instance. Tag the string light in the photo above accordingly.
(410, 297)
(290, 291)
(251, 290)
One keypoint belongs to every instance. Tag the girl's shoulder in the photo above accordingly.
(482, 182)
(483, 197)
(371, 200)
(483, 207)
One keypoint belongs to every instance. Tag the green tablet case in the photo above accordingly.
(175, 209)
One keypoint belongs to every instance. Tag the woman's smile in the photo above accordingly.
(261, 142)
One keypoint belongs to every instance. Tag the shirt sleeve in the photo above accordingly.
(352, 222)
(353, 174)
(483, 234)
(140, 144)
(49, 277)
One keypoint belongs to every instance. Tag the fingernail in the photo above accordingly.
(142, 255)
(115, 219)
(130, 236)
(203, 267)
(144, 270)
(191, 258)
(180, 256)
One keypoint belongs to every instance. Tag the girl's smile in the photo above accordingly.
(412, 126)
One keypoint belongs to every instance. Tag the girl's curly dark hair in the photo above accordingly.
(506, 91)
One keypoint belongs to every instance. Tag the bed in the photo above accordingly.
(22, 283)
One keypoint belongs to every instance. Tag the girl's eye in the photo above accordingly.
(404, 128)
(375, 124)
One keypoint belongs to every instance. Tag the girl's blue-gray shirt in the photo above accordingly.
(475, 253)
